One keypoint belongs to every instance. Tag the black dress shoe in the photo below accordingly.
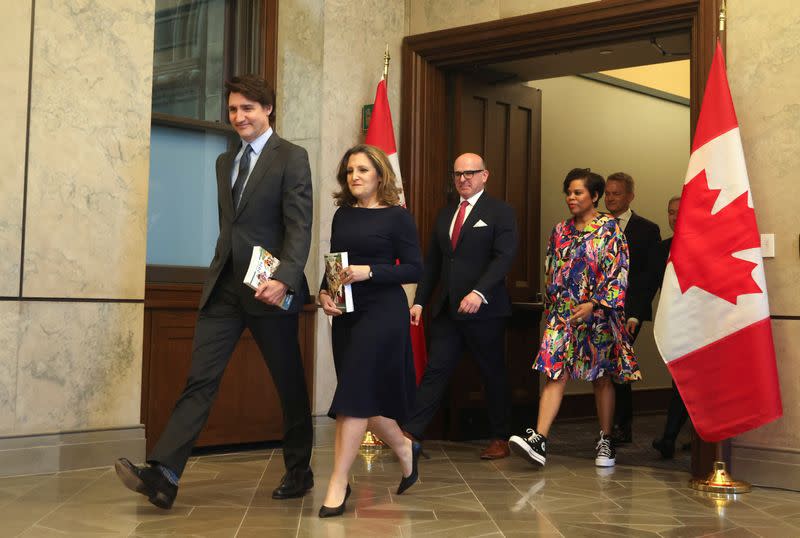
(408, 481)
(666, 447)
(148, 481)
(327, 511)
(294, 484)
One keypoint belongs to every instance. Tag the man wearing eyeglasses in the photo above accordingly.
(471, 250)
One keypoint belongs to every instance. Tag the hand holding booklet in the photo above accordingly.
(262, 266)
(342, 294)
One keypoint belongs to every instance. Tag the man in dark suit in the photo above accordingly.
(642, 236)
(264, 198)
(676, 413)
(471, 251)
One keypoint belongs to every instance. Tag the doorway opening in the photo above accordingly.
(566, 46)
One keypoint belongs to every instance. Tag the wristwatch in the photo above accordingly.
(370, 274)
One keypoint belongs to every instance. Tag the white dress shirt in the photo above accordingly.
(257, 146)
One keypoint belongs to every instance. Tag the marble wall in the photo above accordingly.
(15, 32)
(763, 59)
(71, 340)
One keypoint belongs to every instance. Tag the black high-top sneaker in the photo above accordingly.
(606, 455)
(532, 448)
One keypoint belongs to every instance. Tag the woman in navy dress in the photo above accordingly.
(371, 345)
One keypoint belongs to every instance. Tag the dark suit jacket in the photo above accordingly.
(658, 261)
(275, 212)
(642, 236)
(481, 260)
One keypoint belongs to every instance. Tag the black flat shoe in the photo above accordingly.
(408, 481)
(327, 511)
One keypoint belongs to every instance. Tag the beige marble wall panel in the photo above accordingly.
(9, 345)
(89, 149)
(79, 366)
(15, 31)
(300, 35)
(763, 69)
(355, 36)
(312, 274)
(784, 432)
(299, 99)
(512, 8)
(431, 15)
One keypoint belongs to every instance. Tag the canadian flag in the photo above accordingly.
(713, 325)
(380, 133)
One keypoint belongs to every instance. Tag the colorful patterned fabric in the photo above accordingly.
(581, 266)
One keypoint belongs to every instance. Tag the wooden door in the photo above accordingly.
(503, 124)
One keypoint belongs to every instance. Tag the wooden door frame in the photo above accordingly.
(427, 57)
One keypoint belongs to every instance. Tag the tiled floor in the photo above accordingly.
(458, 496)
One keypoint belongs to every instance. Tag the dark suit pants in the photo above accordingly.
(623, 396)
(219, 326)
(676, 416)
(485, 341)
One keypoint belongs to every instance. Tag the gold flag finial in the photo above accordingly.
(386, 59)
(723, 15)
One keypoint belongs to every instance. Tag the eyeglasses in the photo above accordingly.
(455, 174)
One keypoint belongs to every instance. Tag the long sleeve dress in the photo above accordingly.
(581, 266)
(372, 345)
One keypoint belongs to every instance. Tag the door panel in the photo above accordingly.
(503, 123)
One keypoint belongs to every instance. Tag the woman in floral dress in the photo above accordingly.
(584, 338)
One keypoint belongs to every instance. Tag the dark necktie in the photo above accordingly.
(241, 177)
(458, 223)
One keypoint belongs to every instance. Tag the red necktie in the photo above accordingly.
(458, 223)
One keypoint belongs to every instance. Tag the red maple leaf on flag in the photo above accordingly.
(703, 245)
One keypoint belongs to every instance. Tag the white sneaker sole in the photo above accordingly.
(605, 462)
(521, 448)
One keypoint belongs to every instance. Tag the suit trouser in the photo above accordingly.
(484, 339)
(219, 326)
(623, 396)
(676, 416)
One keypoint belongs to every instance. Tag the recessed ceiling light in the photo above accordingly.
(606, 51)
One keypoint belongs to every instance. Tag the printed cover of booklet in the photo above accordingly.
(342, 294)
(262, 267)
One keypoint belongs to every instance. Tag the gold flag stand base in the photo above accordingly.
(720, 482)
(371, 441)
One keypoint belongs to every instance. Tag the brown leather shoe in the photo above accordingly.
(497, 449)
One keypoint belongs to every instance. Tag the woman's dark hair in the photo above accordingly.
(388, 193)
(594, 183)
(254, 88)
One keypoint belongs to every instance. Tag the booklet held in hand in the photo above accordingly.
(342, 294)
(262, 266)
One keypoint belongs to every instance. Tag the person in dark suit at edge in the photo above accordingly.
(642, 236)
(264, 198)
(676, 413)
(471, 250)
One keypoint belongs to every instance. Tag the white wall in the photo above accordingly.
(610, 129)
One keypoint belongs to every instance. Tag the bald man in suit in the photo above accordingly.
(471, 250)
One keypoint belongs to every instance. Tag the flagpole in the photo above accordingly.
(720, 481)
(386, 59)
(370, 440)
(723, 19)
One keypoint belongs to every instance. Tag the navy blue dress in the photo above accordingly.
(372, 345)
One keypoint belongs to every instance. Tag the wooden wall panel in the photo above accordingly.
(247, 408)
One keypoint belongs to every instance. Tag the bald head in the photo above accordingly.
(469, 174)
